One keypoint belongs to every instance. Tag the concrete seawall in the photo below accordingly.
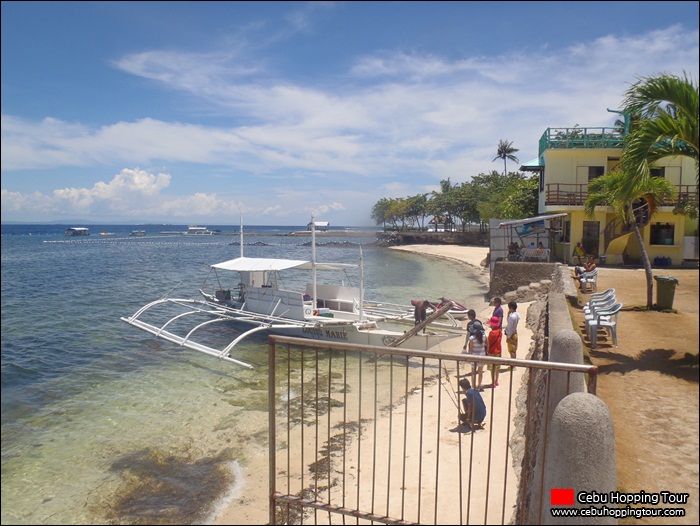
(569, 435)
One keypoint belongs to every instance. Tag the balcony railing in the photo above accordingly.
(566, 194)
(572, 194)
(581, 138)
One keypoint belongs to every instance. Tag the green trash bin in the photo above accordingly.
(665, 289)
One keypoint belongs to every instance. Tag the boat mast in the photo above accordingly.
(241, 215)
(313, 261)
(362, 287)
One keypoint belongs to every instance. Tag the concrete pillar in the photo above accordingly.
(580, 455)
(565, 347)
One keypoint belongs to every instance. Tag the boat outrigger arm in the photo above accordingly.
(262, 322)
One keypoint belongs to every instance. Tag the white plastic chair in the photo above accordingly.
(589, 312)
(590, 277)
(599, 296)
(604, 319)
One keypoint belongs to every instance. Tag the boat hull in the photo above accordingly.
(373, 337)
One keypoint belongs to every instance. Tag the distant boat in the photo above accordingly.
(106, 233)
(138, 233)
(77, 231)
(201, 231)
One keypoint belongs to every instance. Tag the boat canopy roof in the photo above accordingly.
(267, 264)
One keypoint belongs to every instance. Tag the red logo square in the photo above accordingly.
(561, 497)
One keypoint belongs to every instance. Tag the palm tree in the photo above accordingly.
(505, 151)
(667, 108)
(619, 190)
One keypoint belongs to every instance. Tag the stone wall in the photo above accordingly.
(554, 339)
(509, 276)
(474, 239)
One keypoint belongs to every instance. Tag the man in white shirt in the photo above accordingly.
(512, 328)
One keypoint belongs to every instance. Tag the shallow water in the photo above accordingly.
(103, 423)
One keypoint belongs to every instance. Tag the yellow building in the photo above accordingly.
(569, 158)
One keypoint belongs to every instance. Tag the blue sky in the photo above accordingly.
(184, 112)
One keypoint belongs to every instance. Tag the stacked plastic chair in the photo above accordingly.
(603, 319)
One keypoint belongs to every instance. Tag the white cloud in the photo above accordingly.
(127, 193)
(396, 124)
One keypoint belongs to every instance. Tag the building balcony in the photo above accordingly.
(567, 138)
(571, 194)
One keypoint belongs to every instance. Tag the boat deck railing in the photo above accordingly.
(345, 441)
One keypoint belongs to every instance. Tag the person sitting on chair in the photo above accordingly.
(581, 272)
(513, 251)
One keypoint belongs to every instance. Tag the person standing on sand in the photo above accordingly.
(495, 347)
(471, 315)
(578, 253)
(476, 345)
(512, 329)
(498, 311)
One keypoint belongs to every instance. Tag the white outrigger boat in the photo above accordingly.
(336, 313)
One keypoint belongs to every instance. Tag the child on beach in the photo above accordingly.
(495, 347)
(512, 328)
(476, 345)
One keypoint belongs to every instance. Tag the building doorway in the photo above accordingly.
(591, 237)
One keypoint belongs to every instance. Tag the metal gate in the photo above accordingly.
(370, 434)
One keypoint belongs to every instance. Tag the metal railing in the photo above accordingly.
(575, 194)
(372, 435)
(577, 137)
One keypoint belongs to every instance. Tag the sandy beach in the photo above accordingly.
(253, 508)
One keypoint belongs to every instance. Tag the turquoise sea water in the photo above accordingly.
(102, 422)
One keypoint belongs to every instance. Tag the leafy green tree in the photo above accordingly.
(380, 212)
(398, 213)
(485, 196)
(521, 197)
(473, 194)
(621, 188)
(665, 111)
(418, 209)
(505, 151)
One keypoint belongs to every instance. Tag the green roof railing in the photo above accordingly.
(576, 137)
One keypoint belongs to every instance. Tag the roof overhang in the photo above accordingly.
(518, 222)
(536, 165)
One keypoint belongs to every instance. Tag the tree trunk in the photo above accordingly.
(646, 263)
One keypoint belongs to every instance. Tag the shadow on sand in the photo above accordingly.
(660, 360)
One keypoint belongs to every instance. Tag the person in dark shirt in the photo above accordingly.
(474, 407)
(420, 311)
